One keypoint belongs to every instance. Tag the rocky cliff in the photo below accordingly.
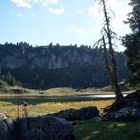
(55, 65)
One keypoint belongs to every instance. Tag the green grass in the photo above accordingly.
(106, 130)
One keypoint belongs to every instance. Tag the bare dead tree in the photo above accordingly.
(114, 81)
(107, 43)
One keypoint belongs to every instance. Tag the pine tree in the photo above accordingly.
(132, 43)
(9, 78)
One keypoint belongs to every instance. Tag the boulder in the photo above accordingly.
(45, 128)
(78, 114)
(117, 116)
(7, 130)
(36, 128)
(125, 114)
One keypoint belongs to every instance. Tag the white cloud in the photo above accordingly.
(117, 3)
(22, 3)
(56, 11)
(119, 7)
(30, 3)
(117, 22)
(94, 10)
(53, 1)
(46, 2)
(79, 30)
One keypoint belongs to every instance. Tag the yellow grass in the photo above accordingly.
(11, 110)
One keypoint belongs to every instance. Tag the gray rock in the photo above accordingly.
(125, 114)
(117, 116)
(7, 130)
(2, 116)
(45, 128)
(127, 110)
(78, 114)
(36, 128)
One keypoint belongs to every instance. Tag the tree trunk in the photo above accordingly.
(111, 65)
(107, 65)
(113, 69)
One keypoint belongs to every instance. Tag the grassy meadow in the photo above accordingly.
(13, 110)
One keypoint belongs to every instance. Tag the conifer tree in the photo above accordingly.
(132, 43)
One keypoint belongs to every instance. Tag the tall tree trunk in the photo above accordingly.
(113, 69)
(107, 64)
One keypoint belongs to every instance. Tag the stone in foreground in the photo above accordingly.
(125, 114)
(36, 128)
(78, 114)
(45, 128)
(7, 130)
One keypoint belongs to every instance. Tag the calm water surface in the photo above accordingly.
(43, 99)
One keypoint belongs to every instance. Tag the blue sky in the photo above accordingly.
(40, 22)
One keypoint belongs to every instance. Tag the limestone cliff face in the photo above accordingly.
(50, 58)
(12, 62)
(53, 66)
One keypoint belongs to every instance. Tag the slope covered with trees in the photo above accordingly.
(49, 66)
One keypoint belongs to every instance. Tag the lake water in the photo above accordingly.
(43, 99)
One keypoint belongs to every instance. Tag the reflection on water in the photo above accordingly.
(42, 99)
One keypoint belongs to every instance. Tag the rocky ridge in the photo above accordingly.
(58, 66)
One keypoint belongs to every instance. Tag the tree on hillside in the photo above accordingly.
(107, 43)
(132, 43)
(9, 78)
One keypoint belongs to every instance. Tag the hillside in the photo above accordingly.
(43, 67)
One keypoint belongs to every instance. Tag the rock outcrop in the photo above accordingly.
(8, 130)
(125, 114)
(36, 128)
(78, 114)
(45, 128)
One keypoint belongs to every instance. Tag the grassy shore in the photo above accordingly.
(13, 111)
(6, 90)
(35, 97)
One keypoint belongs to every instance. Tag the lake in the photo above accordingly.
(42, 99)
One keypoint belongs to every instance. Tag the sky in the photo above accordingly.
(41, 22)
